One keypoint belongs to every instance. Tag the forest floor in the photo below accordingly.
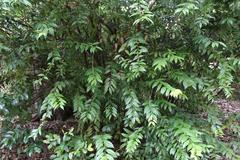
(227, 107)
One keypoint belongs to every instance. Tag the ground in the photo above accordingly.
(228, 108)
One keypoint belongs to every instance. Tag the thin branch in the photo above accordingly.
(151, 4)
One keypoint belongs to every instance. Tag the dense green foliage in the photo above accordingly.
(135, 73)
